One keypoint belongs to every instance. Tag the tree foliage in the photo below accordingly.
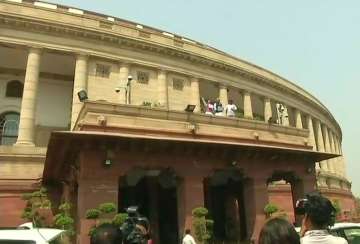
(203, 228)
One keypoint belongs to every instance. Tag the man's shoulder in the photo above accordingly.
(330, 239)
(339, 240)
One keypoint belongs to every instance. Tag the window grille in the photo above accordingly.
(142, 77)
(103, 70)
(178, 84)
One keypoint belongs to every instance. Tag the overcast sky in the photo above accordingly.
(315, 44)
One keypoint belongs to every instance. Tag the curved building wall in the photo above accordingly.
(57, 51)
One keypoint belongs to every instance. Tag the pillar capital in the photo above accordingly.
(223, 86)
(162, 71)
(82, 56)
(36, 49)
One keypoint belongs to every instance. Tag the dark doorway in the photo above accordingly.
(156, 197)
(225, 202)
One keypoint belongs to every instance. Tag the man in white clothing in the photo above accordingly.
(230, 109)
(188, 239)
(319, 214)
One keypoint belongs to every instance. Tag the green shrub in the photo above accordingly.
(93, 213)
(119, 219)
(107, 207)
(271, 208)
(200, 212)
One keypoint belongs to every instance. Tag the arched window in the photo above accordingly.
(9, 127)
(14, 88)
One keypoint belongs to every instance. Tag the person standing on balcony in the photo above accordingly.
(209, 108)
(218, 107)
(230, 109)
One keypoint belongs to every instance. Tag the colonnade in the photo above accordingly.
(321, 137)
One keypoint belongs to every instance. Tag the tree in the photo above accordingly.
(203, 228)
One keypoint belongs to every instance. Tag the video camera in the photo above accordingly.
(135, 229)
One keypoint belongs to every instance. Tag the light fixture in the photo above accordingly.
(107, 162)
(82, 94)
(190, 108)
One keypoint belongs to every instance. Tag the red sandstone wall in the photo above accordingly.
(283, 199)
(11, 206)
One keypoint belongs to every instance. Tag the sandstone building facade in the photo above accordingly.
(49, 52)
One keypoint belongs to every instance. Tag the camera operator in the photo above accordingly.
(135, 230)
(319, 214)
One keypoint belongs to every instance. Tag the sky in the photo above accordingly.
(315, 44)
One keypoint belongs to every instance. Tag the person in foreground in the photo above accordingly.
(188, 239)
(106, 234)
(319, 214)
(278, 231)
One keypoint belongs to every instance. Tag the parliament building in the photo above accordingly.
(102, 109)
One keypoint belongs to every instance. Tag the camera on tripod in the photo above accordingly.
(135, 229)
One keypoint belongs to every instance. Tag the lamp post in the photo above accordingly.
(127, 88)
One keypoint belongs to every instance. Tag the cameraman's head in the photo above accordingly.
(318, 211)
(106, 234)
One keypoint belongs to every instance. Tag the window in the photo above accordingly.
(142, 77)
(103, 70)
(14, 88)
(178, 84)
(9, 127)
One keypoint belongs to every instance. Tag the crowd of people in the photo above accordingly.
(318, 215)
(218, 109)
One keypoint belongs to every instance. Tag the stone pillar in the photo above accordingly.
(80, 83)
(300, 187)
(332, 150)
(298, 120)
(338, 159)
(223, 95)
(163, 89)
(256, 197)
(248, 113)
(267, 109)
(190, 196)
(327, 147)
(26, 135)
(195, 94)
(312, 140)
(320, 143)
(124, 71)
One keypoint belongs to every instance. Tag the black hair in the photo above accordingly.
(187, 231)
(106, 234)
(278, 231)
(320, 210)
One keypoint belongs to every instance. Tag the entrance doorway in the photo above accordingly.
(155, 193)
(225, 202)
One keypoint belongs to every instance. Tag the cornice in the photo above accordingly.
(16, 22)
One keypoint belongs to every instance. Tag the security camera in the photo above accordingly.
(117, 89)
(130, 78)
